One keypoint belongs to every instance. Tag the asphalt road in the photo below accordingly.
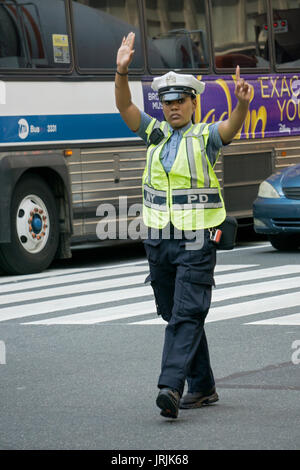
(72, 380)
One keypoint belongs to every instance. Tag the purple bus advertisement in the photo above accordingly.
(274, 109)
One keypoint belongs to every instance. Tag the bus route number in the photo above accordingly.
(51, 128)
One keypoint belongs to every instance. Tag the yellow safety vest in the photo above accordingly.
(189, 195)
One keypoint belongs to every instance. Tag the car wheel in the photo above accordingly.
(34, 228)
(283, 242)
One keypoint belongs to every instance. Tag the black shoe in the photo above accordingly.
(198, 399)
(168, 401)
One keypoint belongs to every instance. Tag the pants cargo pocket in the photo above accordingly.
(152, 250)
(196, 294)
(163, 301)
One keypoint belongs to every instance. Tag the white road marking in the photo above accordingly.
(58, 305)
(101, 315)
(10, 283)
(82, 276)
(242, 309)
(115, 313)
(66, 272)
(293, 319)
(74, 289)
(257, 274)
(40, 287)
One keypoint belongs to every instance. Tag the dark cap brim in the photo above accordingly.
(174, 93)
(171, 96)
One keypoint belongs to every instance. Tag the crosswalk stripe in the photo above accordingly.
(36, 308)
(100, 315)
(242, 309)
(293, 319)
(220, 268)
(78, 277)
(52, 273)
(84, 276)
(257, 274)
(66, 272)
(75, 289)
(257, 288)
(100, 292)
(253, 247)
(115, 313)
(58, 305)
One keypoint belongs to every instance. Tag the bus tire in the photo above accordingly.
(284, 242)
(34, 228)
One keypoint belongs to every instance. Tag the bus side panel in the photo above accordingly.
(111, 181)
(12, 167)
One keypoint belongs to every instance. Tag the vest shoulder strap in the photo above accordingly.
(197, 130)
(150, 127)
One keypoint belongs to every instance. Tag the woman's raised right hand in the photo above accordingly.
(125, 53)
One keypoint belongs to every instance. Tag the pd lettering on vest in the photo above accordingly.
(202, 198)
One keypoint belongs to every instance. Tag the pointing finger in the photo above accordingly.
(237, 72)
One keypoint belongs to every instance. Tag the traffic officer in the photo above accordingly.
(182, 200)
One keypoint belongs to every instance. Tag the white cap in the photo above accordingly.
(172, 85)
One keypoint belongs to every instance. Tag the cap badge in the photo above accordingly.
(171, 80)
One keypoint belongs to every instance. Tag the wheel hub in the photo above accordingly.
(36, 224)
(32, 224)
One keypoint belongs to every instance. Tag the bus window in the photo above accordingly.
(11, 48)
(286, 22)
(33, 34)
(177, 34)
(245, 42)
(99, 27)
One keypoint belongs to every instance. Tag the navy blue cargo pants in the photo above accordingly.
(182, 281)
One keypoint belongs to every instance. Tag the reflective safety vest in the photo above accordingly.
(189, 195)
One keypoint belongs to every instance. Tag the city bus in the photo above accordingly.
(66, 156)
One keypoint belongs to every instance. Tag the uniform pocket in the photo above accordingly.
(152, 248)
(201, 263)
(196, 297)
(163, 301)
(202, 275)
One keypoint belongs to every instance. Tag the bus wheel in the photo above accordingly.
(34, 228)
(283, 242)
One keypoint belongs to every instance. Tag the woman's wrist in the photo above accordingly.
(122, 72)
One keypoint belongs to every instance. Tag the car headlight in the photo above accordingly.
(267, 190)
